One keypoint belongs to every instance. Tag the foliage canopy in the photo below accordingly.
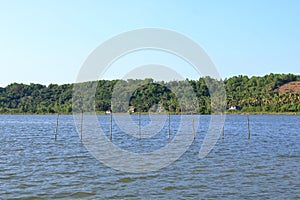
(254, 94)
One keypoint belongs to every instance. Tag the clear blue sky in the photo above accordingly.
(47, 41)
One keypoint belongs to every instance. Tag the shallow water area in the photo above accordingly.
(34, 166)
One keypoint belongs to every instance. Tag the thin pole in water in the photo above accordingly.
(81, 124)
(223, 134)
(110, 126)
(56, 128)
(248, 127)
(139, 118)
(223, 127)
(169, 126)
(193, 124)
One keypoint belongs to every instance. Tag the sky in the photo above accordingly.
(48, 41)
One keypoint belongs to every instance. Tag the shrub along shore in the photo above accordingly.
(255, 95)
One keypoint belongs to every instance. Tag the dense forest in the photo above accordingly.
(250, 94)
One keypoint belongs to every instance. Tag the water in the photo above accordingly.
(34, 166)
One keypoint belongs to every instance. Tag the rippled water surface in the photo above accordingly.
(34, 166)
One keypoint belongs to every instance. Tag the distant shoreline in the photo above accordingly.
(171, 113)
(270, 94)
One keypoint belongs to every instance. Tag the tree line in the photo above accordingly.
(251, 94)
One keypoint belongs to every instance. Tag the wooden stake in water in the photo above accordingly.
(248, 127)
(81, 124)
(139, 118)
(169, 126)
(193, 125)
(223, 134)
(110, 126)
(56, 128)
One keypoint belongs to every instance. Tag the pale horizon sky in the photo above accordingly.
(48, 41)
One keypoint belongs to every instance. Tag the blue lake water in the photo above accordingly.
(34, 166)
